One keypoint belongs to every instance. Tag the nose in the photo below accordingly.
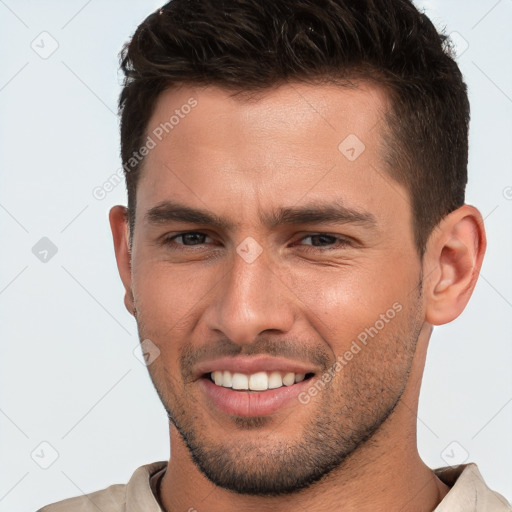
(251, 298)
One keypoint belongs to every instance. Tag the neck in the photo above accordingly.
(386, 473)
(369, 480)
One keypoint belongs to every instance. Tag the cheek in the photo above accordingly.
(345, 302)
(166, 300)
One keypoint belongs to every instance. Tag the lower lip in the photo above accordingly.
(252, 403)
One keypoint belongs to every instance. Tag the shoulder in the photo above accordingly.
(111, 499)
(117, 497)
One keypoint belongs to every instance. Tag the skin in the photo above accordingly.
(242, 157)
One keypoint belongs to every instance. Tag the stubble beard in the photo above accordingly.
(345, 417)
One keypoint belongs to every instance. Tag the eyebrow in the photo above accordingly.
(311, 213)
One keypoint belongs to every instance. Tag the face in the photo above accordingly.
(274, 273)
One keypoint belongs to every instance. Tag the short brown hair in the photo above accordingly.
(252, 45)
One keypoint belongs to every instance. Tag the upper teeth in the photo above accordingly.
(257, 381)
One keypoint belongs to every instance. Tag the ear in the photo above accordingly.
(452, 263)
(118, 218)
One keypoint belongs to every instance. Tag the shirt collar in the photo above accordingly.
(140, 491)
(469, 492)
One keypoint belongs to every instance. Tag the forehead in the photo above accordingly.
(254, 154)
(290, 113)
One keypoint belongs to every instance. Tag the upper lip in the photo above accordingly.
(252, 364)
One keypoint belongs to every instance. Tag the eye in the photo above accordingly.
(189, 239)
(317, 241)
(322, 241)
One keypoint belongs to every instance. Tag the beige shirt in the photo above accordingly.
(468, 493)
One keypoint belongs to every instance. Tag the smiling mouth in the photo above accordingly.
(259, 381)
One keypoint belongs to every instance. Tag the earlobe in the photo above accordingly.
(455, 253)
(120, 233)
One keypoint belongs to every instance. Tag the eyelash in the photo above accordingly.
(342, 241)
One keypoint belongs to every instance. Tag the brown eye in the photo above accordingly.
(325, 241)
(188, 239)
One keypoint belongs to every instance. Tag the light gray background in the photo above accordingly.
(69, 376)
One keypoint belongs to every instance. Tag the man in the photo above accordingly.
(295, 228)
